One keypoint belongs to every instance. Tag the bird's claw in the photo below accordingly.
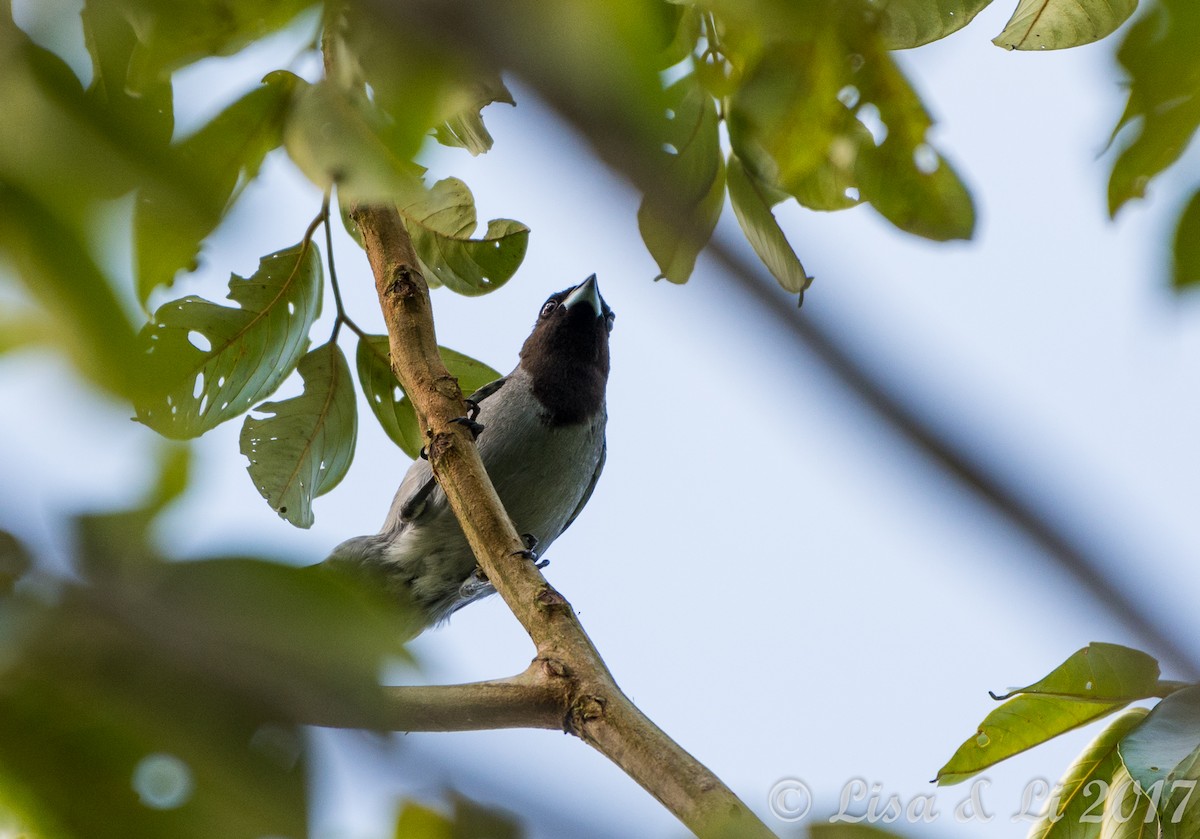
(531, 542)
(472, 409)
(469, 421)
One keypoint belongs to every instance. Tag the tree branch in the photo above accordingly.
(527, 700)
(591, 705)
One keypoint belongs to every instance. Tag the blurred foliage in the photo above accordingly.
(815, 110)
(1134, 779)
(143, 697)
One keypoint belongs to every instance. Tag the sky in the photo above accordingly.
(773, 575)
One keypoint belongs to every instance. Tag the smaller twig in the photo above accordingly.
(342, 318)
(531, 699)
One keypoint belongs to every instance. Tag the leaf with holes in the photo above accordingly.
(210, 363)
(752, 207)
(464, 127)
(441, 223)
(304, 449)
(388, 402)
(677, 217)
(1059, 24)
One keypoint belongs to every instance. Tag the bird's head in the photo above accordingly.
(566, 355)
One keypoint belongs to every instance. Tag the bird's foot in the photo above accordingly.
(472, 409)
(469, 421)
(531, 542)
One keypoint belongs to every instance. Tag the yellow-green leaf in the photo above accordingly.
(1127, 811)
(1058, 24)
(1100, 672)
(304, 448)
(677, 218)
(911, 23)
(1019, 724)
(1186, 265)
(210, 363)
(368, 156)
(464, 126)
(753, 210)
(1081, 791)
(1163, 112)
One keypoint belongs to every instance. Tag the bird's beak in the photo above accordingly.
(586, 292)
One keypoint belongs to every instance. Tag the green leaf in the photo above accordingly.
(1092, 683)
(833, 185)
(1179, 806)
(220, 159)
(164, 700)
(1102, 673)
(683, 22)
(1058, 24)
(66, 147)
(1185, 269)
(24, 328)
(785, 113)
(416, 821)
(464, 128)
(1168, 737)
(677, 220)
(753, 210)
(391, 407)
(175, 34)
(112, 44)
(904, 177)
(441, 222)
(1127, 812)
(14, 561)
(797, 119)
(1085, 783)
(910, 23)
(368, 157)
(1019, 724)
(304, 449)
(61, 275)
(1160, 57)
(211, 362)
(475, 821)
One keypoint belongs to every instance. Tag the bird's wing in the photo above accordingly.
(587, 493)
(487, 390)
(418, 485)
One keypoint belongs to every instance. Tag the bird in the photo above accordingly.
(540, 431)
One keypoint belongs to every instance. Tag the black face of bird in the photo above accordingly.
(567, 353)
(573, 326)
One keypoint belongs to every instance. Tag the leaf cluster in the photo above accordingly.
(1135, 778)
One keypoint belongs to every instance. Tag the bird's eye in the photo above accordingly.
(608, 320)
(549, 307)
